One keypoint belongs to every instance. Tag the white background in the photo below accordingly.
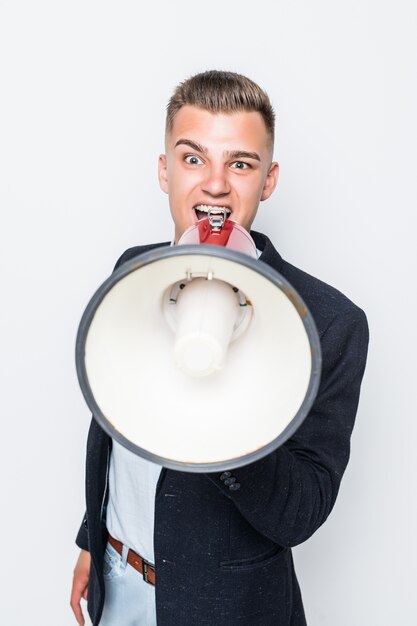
(84, 86)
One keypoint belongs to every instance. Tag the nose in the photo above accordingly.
(216, 183)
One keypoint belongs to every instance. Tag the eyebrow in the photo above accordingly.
(243, 154)
(193, 144)
(232, 154)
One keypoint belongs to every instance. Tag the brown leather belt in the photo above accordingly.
(136, 561)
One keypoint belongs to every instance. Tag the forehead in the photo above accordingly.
(240, 129)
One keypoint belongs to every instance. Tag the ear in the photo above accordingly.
(162, 173)
(271, 181)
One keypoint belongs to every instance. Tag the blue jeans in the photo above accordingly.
(129, 600)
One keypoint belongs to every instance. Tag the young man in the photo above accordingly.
(220, 544)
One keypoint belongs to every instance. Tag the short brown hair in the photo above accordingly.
(221, 92)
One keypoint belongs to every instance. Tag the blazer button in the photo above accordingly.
(230, 481)
(85, 523)
(234, 486)
(225, 475)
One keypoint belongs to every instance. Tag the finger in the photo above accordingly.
(75, 605)
(85, 593)
(78, 614)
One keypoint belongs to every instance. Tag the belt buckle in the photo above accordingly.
(145, 567)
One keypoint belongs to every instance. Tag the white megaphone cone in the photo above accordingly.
(198, 356)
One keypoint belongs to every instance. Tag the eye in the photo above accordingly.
(192, 159)
(240, 165)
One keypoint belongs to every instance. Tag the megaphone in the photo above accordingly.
(199, 356)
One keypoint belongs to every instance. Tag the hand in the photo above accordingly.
(80, 585)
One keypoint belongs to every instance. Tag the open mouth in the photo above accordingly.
(202, 211)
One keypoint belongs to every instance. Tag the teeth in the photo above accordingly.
(206, 208)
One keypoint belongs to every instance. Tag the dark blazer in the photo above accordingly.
(223, 556)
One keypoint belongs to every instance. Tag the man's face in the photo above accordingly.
(216, 160)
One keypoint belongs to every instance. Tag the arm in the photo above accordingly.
(288, 494)
(80, 585)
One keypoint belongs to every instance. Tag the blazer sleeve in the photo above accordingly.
(288, 494)
(82, 535)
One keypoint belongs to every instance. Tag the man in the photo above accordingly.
(221, 543)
